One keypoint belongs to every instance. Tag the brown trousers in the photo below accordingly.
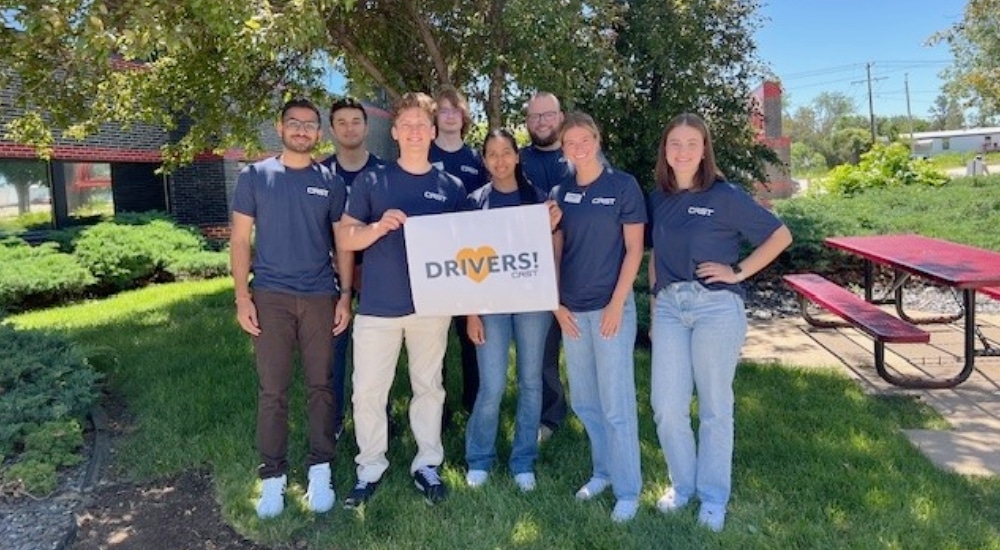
(286, 321)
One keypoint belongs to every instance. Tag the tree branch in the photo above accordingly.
(427, 37)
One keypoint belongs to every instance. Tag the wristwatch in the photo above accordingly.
(738, 271)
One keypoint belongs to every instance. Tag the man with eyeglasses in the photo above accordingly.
(544, 165)
(382, 199)
(450, 153)
(284, 212)
(349, 128)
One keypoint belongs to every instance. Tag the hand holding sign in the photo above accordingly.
(486, 261)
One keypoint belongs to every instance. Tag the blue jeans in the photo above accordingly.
(697, 337)
(602, 393)
(528, 331)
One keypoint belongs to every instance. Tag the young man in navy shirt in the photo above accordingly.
(381, 201)
(291, 204)
(349, 128)
(544, 165)
(450, 153)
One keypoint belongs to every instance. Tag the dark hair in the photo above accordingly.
(348, 103)
(300, 103)
(524, 187)
(414, 100)
(708, 171)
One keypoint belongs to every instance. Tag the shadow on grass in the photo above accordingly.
(817, 465)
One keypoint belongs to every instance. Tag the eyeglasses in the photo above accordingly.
(547, 116)
(295, 125)
(450, 111)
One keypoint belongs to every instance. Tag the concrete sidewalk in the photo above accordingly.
(971, 447)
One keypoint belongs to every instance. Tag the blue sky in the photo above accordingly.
(817, 46)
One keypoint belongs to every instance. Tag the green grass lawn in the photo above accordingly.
(818, 464)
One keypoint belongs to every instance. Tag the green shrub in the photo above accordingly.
(124, 255)
(203, 264)
(43, 378)
(38, 274)
(56, 442)
(883, 166)
(35, 477)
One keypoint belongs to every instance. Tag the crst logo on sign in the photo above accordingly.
(478, 264)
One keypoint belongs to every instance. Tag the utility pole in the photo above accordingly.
(871, 105)
(909, 114)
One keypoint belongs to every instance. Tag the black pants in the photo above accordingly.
(553, 392)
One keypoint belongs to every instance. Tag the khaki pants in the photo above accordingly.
(377, 342)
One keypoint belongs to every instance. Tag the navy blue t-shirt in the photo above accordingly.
(593, 238)
(708, 226)
(488, 197)
(349, 177)
(293, 211)
(335, 167)
(385, 279)
(465, 164)
(545, 169)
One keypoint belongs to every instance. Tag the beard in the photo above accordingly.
(298, 146)
(539, 141)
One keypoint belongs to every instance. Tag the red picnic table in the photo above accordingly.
(958, 266)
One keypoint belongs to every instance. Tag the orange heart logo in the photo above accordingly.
(476, 262)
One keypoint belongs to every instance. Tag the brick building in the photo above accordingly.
(115, 171)
(768, 125)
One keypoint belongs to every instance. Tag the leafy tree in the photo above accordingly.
(696, 56)
(947, 113)
(22, 174)
(211, 72)
(806, 160)
(975, 45)
(495, 50)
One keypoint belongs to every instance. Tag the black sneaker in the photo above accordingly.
(429, 484)
(362, 491)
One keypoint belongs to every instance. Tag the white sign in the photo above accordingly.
(484, 261)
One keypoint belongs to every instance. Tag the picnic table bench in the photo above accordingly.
(963, 268)
(865, 316)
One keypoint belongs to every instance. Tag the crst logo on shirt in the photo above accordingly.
(700, 211)
(479, 263)
(435, 196)
(469, 169)
(318, 191)
(603, 201)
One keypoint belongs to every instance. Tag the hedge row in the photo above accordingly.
(127, 252)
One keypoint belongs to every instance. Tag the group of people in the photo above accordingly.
(310, 219)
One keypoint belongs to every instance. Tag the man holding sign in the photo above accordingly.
(381, 200)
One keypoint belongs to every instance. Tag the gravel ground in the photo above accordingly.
(29, 523)
(49, 523)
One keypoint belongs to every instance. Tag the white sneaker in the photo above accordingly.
(475, 478)
(272, 497)
(712, 516)
(671, 502)
(593, 488)
(320, 495)
(544, 433)
(525, 481)
(624, 510)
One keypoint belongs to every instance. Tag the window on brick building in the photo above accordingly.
(88, 190)
(25, 195)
